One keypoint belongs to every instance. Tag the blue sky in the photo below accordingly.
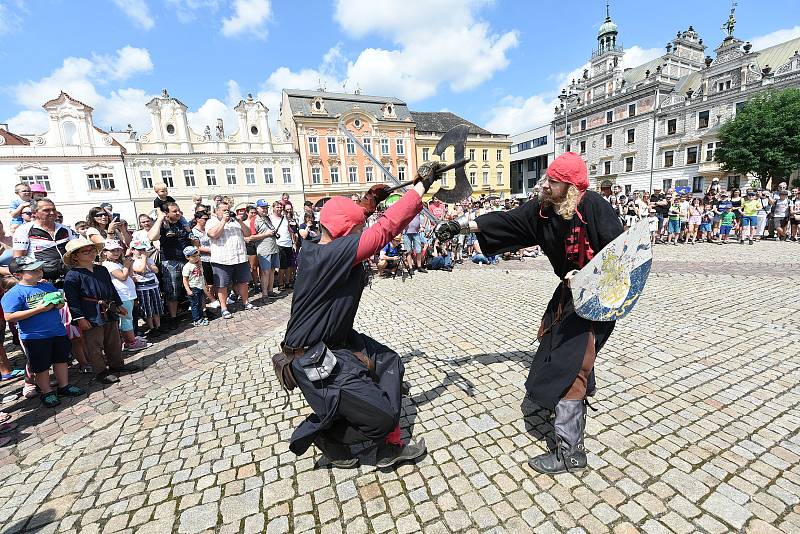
(498, 63)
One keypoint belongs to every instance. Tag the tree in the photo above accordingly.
(764, 138)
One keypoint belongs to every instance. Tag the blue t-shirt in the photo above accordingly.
(14, 205)
(391, 251)
(43, 325)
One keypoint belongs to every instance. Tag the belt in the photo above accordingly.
(294, 352)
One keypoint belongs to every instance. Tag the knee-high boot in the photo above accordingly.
(569, 454)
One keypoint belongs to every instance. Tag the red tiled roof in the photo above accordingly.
(63, 94)
(13, 139)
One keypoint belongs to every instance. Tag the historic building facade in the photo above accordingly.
(531, 153)
(657, 125)
(247, 164)
(488, 172)
(78, 164)
(331, 164)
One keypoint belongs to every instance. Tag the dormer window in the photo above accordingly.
(318, 106)
(388, 110)
(357, 123)
(170, 129)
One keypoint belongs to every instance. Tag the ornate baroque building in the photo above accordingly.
(79, 164)
(657, 124)
(332, 165)
(489, 170)
(246, 164)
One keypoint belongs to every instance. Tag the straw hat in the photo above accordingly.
(77, 244)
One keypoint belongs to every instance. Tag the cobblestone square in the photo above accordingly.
(697, 428)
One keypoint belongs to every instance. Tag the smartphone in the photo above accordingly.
(115, 217)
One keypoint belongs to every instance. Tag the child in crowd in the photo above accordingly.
(652, 222)
(23, 201)
(34, 306)
(194, 283)
(674, 215)
(119, 268)
(95, 306)
(162, 197)
(705, 223)
(80, 228)
(144, 276)
(727, 219)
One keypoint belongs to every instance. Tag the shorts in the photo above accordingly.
(225, 275)
(269, 262)
(208, 273)
(284, 257)
(794, 220)
(126, 323)
(172, 279)
(674, 227)
(42, 353)
(630, 220)
(694, 220)
(705, 227)
(725, 229)
(749, 220)
(412, 243)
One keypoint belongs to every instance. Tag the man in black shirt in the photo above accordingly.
(660, 202)
(571, 225)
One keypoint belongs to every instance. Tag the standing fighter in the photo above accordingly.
(352, 382)
(571, 225)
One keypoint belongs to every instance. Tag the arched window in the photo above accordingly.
(70, 133)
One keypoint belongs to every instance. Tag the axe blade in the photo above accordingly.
(455, 137)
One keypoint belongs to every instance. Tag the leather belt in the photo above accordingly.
(292, 352)
(295, 352)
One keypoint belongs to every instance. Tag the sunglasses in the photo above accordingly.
(101, 215)
(27, 213)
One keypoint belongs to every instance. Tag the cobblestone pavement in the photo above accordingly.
(697, 428)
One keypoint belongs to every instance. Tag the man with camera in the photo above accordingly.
(229, 256)
(390, 256)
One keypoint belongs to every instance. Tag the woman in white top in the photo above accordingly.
(101, 227)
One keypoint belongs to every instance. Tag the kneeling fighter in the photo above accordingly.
(352, 382)
(570, 224)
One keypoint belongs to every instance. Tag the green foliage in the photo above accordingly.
(764, 138)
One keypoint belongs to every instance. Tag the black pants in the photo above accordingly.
(361, 417)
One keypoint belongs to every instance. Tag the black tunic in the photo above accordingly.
(568, 245)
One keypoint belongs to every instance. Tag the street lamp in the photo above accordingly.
(566, 101)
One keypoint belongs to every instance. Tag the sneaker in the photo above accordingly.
(70, 391)
(213, 305)
(389, 455)
(50, 400)
(107, 378)
(30, 391)
(226, 314)
(338, 454)
(137, 345)
(250, 306)
(200, 322)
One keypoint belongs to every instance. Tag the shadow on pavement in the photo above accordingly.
(32, 523)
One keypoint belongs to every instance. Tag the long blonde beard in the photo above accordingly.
(567, 207)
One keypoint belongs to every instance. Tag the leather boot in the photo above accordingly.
(339, 455)
(569, 454)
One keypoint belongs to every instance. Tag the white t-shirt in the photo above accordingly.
(126, 288)
(229, 248)
(281, 225)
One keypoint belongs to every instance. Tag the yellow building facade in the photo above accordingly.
(489, 172)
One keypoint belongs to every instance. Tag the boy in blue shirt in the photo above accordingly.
(34, 306)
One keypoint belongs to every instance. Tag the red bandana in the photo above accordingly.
(570, 168)
(340, 215)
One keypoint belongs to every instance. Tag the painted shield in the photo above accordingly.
(607, 288)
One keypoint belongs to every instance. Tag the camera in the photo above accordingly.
(231, 216)
(277, 236)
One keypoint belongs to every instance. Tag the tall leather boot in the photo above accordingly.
(569, 454)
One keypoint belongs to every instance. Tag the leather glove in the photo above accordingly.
(427, 173)
(447, 230)
(376, 194)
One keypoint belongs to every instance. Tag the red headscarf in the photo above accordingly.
(340, 215)
(570, 168)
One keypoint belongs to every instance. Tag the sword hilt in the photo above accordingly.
(440, 170)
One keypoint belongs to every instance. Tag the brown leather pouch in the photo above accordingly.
(282, 365)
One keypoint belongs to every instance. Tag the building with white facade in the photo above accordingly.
(247, 164)
(657, 124)
(531, 153)
(79, 164)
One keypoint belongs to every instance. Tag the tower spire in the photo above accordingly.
(608, 12)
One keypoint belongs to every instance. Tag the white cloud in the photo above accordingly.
(249, 17)
(636, 55)
(186, 10)
(28, 122)
(127, 62)
(213, 109)
(138, 12)
(10, 19)
(771, 39)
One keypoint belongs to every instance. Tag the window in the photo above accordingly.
(188, 177)
(287, 175)
(631, 110)
(569, 147)
(583, 147)
(331, 145)
(583, 124)
(425, 154)
(313, 145)
(472, 177)
(485, 154)
(702, 119)
(70, 133)
(368, 172)
(485, 177)
(315, 176)
(499, 155)
(268, 177)
(146, 178)
(170, 129)
(531, 164)
(607, 167)
(211, 177)
(733, 182)
(401, 147)
(472, 154)
(667, 184)
(352, 174)
(628, 189)
(691, 155)
(45, 180)
(609, 117)
(629, 164)
(368, 144)
(401, 173)
(697, 184)
(632, 135)
(166, 177)
(609, 140)
(499, 177)
(254, 130)
(443, 180)
(710, 147)
(230, 176)
(334, 175)
(384, 146)
(740, 106)
(672, 126)
(569, 128)
(249, 176)
(669, 158)
(351, 147)
(100, 182)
